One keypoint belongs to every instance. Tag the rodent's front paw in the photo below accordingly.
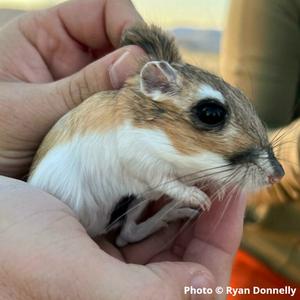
(195, 198)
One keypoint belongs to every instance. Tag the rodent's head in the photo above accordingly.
(209, 123)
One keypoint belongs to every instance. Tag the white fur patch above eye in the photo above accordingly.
(207, 91)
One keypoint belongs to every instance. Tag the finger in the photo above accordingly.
(216, 240)
(97, 23)
(222, 226)
(164, 280)
(108, 73)
(71, 35)
(181, 280)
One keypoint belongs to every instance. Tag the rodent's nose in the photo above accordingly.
(278, 171)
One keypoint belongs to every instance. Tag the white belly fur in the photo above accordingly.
(90, 172)
(86, 175)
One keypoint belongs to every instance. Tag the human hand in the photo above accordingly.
(50, 61)
(46, 254)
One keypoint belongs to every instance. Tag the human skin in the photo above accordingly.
(50, 61)
(46, 254)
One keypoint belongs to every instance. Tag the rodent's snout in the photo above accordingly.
(265, 167)
(278, 171)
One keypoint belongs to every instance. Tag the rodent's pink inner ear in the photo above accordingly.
(158, 78)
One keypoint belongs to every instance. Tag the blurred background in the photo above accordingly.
(197, 24)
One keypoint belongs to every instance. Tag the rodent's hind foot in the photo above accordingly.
(120, 242)
(181, 213)
(132, 232)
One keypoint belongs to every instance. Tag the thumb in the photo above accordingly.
(184, 280)
(107, 73)
(50, 101)
(163, 280)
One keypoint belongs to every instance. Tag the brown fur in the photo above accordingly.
(98, 113)
(157, 44)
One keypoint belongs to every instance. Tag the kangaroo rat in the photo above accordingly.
(168, 126)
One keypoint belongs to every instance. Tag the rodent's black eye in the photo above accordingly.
(210, 114)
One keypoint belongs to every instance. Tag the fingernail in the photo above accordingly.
(125, 66)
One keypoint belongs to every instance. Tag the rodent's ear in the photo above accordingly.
(158, 78)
